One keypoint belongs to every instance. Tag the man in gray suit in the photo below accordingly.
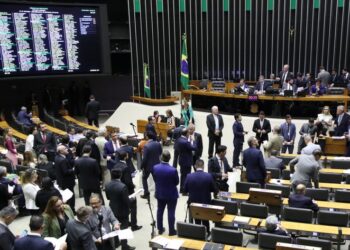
(324, 77)
(310, 146)
(104, 217)
(79, 236)
(7, 216)
(307, 129)
(274, 162)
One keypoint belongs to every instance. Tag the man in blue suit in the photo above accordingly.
(253, 161)
(183, 148)
(199, 186)
(150, 127)
(110, 150)
(238, 138)
(25, 118)
(262, 85)
(288, 132)
(124, 147)
(34, 240)
(166, 179)
(151, 157)
(218, 167)
(299, 200)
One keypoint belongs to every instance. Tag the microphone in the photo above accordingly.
(100, 218)
(132, 124)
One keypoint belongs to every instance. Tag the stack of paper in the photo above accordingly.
(165, 243)
(241, 220)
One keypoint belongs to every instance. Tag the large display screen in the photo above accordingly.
(47, 39)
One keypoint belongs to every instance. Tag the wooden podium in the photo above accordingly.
(335, 146)
(207, 212)
(161, 128)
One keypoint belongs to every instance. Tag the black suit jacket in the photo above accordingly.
(199, 143)
(280, 75)
(215, 170)
(126, 176)
(301, 201)
(49, 144)
(79, 236)
(5, 196)
(211, 125)
(43, 196)
(64, 173)
(92, 109)
(341, 128)
(130, 151)
(95, 152)
(88, 173)
(118, 196)
(266, 126)
(7, 239)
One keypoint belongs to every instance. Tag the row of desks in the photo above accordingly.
(321, 184)
(321, 204)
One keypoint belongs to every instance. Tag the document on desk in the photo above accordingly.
(165, 243)
(213, 246)
(241, 220)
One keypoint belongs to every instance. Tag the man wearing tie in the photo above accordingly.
(195, 138)
(262, 128)
(110, 150)
(45, 142)
(183, 148)
(284, 75)
(341, 122)
(346, 78)
(238, 139)
(218, 167)
(215, 124)
(261, 85)
(288, 132)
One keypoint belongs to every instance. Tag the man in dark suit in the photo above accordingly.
(336, 80)
(218, 167)
(89, 140)
(118, 196)
(24, 118)
(262, 85)
(79, 235)
(284, 75)
(299, 200)
(110, 150)
(45, 142)
(262, 128)
(150, 127)
(124, 147)
(33, 240)
(215, 125)
(7, 216)
(238, 138)
(65, 173)
(341, 122)
(184, 148)
(196, 138)
(88, 173)
(253, 161)
(91, 111)
(166, 180)
(127, 173)
(5, 196)
(199, 186)
(151, 156)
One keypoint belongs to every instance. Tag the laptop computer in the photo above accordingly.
(288, 93)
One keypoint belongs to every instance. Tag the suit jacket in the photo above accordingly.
(280, 75)
(214, 168)
(324, 77)
(267, 84)
(150, 129)
(151, 155)
(321, 91)
(32, 242)
(266, 126)
(79, 236)
(130, 151)
(211, 124)
(88, 173)
(337, 80)
(41, 146)
(199, 186)
(253, 161)
(52, 226)
(184, 149)
(301, 201)
(197, 153)
(275, 143)
(43, 196)
(92, 109)
(341, 128)
(274, 162)
(166, 180)
(238, 133)
(288, 134)
(95, 152)
(64, 173)
(108, 150)
(5, 196)
(7, 239)
(118, 196)
(126, 176)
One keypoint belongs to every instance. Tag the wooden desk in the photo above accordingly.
(333, 171)
(194, 244)
(329, 157)
(16, 133)
(79, 123)
(335, 146)
(322, 204)
(321, 184)
(161, 128)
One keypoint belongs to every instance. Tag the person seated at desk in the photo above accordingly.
(317, 89)
(157, 117)
(274, 162)
(170, 120)
(242, 87)
(288, 85)
(273, 226)
(262, 85)
(336, 80)
(24, 118)
(299, 200)
(299, 81)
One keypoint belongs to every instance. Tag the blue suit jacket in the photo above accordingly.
(301, 201)
(199, 186)
(267, 84)
(24, 118)
(238, 133)
(183, 149)
(284, 132)
(151, 155)
(108, 150)
(32, 242)
(166, 178)
(150, 128)
(253, 161)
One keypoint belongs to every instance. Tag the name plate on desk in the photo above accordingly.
(288, 246)
(253, 98)
(207, 212)
(267, 196)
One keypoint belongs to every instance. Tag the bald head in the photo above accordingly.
(215, 110)
(61, 149)
(300, 189)
(307, 139)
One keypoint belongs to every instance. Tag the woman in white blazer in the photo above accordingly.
(30, 189)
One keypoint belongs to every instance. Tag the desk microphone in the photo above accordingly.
(132, 124)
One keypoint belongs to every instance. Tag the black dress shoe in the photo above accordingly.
(129, 248)
(160, 232)
(135, 228)
(172, 233)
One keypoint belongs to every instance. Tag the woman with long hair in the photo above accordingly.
(187, 113)
(30, 189)
(9, 144)
(56, 215)
(28, 159)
